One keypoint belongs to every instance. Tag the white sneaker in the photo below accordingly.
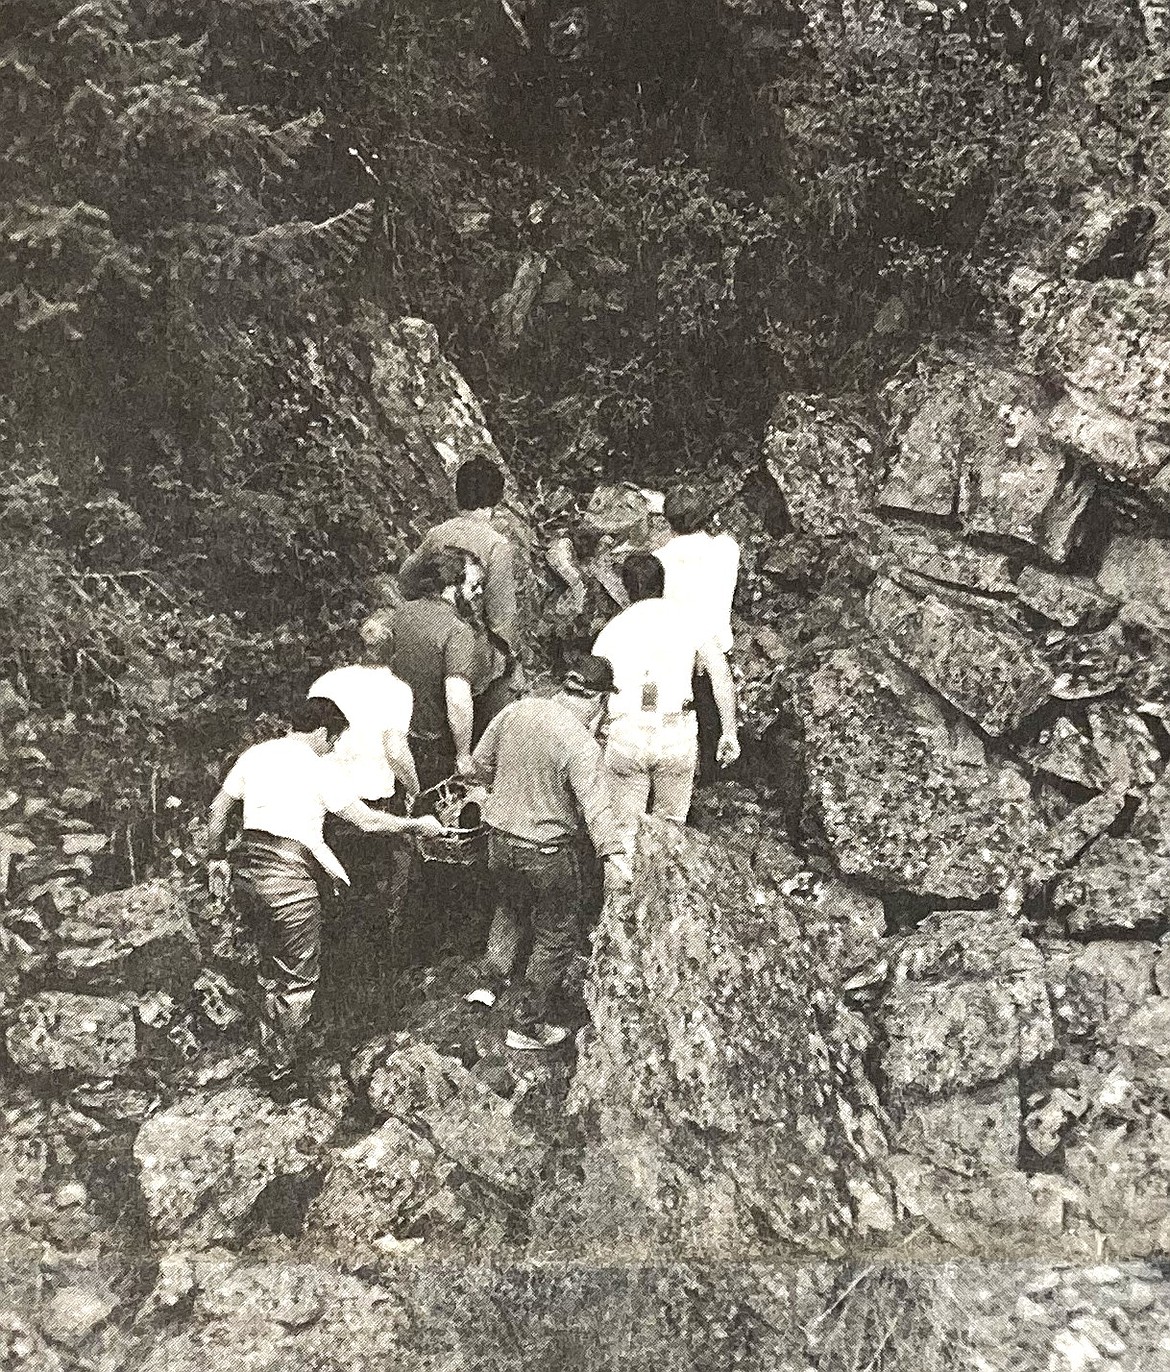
(542, 1036)
(481, 996)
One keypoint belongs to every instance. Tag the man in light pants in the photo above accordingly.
(655, 648)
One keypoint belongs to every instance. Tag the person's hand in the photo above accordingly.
(619, 872)
(464, 765)
(219, 878)
(429, 826)
(727, 750)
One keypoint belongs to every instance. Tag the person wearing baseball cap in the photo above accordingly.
(544, 769)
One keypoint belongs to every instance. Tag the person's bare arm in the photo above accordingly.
(396, 746)
(723, 689)
(371, 821)
(460, 716)
(499, 595)
(483, 760)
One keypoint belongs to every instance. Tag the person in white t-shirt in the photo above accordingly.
(278, 868)
(374, 752)
(702, 569)
(374, 757)
(655, 647)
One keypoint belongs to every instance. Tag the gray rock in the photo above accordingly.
(1109, 339)
(1126, 449)
(204, 1162)
(726, 1104)
(903, 806)
(970, 1132)
(139, 939)
(978, 662)
(76, 1312)
(952, 1035)
(822, 452)
(977, 446)
(394, 1187)
(1123, 1174)
(466, 1121)
(1120, 884)
(1073, 602)
(935, 556)
(56, 1031)
(1138, 569)
(1103, 982)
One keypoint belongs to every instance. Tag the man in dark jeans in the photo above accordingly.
(544, 767)
(286, 787)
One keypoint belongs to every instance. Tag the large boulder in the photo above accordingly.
(969, 1006)
(139, 939)
(204, 1162)
(903, 803)
(975, 446)
(976, 660)
(425, 400)
(57, 1031)
(723, 1079)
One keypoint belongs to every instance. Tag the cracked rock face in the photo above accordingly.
(204, 1162)
(902, 808)
(140, 939)
(704, 1062)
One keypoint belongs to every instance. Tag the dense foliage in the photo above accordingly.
(633, 225)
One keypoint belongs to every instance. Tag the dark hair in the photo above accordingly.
(686, 509)
(589, 676)
(479, 484)
(430, 571)
(643, 576)
(307, 716)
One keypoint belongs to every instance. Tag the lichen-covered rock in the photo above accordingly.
(139, 939)
(975, 445)
(970, 1132)
(1126, 449)
(394, 1189)
(204, 1162)
(936, 556)
(465, 1120)
(822, 452)
(1073, 602)
(1112, 750)
(1138, 569)
(57, 1031)
(968, 1005)
(901, 807)
(953, 1035)
(283, 1317)
(1099, 984)
(1122, 1174)
(726, 1101)
(1108, 339)
(979, 662)
(1120, 884)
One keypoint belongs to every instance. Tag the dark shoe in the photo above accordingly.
(533, 1037)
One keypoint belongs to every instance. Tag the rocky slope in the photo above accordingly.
(888, 1088)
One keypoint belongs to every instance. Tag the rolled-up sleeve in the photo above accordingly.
(588, 784)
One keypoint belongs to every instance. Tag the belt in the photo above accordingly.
(284, 847)
(517, 842)
(687, 709)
